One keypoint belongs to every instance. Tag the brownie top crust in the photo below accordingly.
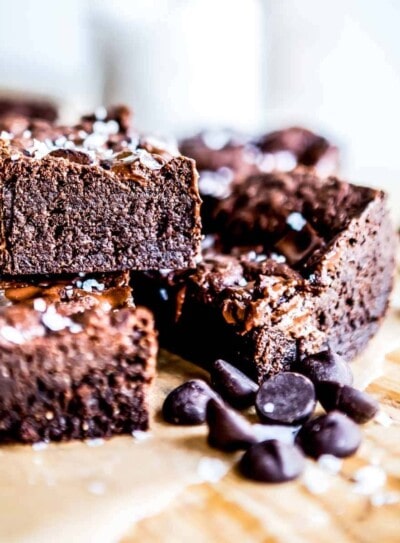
(295, 214)
(33, 307)
(225, 159)
(249, 291)
(95, 197)
(105, 138)
(68, 293)
(298, 263)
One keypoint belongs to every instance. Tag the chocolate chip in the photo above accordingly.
(187, 403)
(72, 155)
(106, 164)
(297, 244)
(358, 405)
(286, 398)
(228, 430)
(272, 462)
(233, 385)
(333, 433)
(325, 366)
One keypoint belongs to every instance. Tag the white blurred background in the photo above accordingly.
(248, 64)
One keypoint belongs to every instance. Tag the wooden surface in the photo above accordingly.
(171, 487)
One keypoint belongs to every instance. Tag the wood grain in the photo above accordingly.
(234, 509)
(159, 489)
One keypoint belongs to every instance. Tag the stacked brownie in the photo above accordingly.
(79, 206)
(293, 263)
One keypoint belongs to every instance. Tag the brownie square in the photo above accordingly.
(76, 360)
(96, 197)
(299, 264)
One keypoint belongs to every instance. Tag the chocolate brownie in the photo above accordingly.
(73, 366)
(312, 267)
(224, 158)
(33, 108)
(71, 293)
(96, 197)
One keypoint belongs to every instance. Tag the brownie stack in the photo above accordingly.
(293, 263)
(79, 206)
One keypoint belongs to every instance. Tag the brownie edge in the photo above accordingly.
(77, 377)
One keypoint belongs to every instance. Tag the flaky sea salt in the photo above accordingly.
(106, 128)
(11, 334)
(138, 435)
(269, 407)
(284, 161)
(211, 470)
(40, 149)
(369, 479)
(383, 419)
(92, 284)
(329, 463)
(96, 442)
(40, 446)
(148, 160)
(378, 499)
(53, 320)
(94, 141)
(315, 480)
(296, 221)
(97, 487)
(75, 328)
(39, 304)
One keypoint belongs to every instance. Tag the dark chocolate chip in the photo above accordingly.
(106, 164)
(333, 433)
(72, 155)
(187, 403)
(297, 244)
(358, 405)
(272, 462)
(233, 385)
(228, 430)
(326, 366)
(286, 398)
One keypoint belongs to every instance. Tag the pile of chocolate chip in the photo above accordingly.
(285, 403)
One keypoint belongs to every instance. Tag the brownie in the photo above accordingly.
(73, 365)
(71, 293)
(33, 108)
(96, 197)
(225, 158)
(301, 264)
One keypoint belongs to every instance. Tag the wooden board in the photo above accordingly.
(172, 487)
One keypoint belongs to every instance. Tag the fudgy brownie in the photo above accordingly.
(71, 293)
(224, 158)
(71, 364)
(310, 266)
(95, 197)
